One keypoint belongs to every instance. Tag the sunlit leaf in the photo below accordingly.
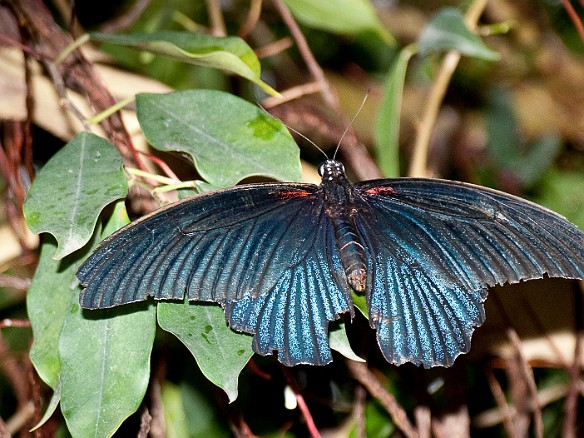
(228, 138)
(53, 288)
(339, 342)
(231, 54)
(220, 352)
(80, 180)
(346, 17)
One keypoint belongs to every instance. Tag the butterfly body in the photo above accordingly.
(281, 258)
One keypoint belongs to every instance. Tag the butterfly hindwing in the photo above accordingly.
(433, 249)
(293, 316)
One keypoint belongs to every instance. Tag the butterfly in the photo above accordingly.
(282, 259)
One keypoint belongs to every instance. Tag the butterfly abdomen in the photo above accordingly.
(352, 254)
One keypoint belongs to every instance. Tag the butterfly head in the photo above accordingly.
(331, 170)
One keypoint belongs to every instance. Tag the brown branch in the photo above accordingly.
(527, 374)
(8, 322)
(366, 378)
(310, 425)
(574, 17)
(255, 9)
(504, 407)
(76, 72)
(216, 18)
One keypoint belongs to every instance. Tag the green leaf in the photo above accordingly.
(340, 342)
(53, 288)
(105, 361)
(220, 352)
(345, 17)
(175, 417)
(388, 118)
(360, 302)
(563, 192)
(51, 408)
(71, 190)
(228, 138)
(231, 54)
(447, 30)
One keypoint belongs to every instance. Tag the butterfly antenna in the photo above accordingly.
(307, 139)
(295, 131)
(351, 123)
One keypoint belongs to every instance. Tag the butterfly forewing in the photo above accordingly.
(212, 247)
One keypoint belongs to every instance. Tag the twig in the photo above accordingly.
(504, 407)
(359, 412)
(126, 20)
(4, 432)
(418, 165)
(527, 373)
(255, 9)
(216, 18)
(314, 433)
(315, 70)
(291, 94)
(274, 48)
(21, 323)
(145, 421)
(75, 72)
(571, 403)
(574, 17)
(366, 378)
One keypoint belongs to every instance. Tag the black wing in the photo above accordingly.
(263, 251)
(434, 247)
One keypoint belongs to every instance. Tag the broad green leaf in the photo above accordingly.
(388, 118)
(346, 17)
(448, 31)
(71, 190)
(228, 138)
(231, 54)
(220, 352)
(339, 341)
(105, 361)
(53, 288)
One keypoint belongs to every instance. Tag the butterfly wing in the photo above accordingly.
(263, 251)
(293, 317)
(434, 247)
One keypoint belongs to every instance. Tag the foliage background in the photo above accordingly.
(516, 124)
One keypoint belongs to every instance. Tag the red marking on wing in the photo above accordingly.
(382, 190)
(293, 194)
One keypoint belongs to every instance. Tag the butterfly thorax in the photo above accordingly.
(340, 207)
